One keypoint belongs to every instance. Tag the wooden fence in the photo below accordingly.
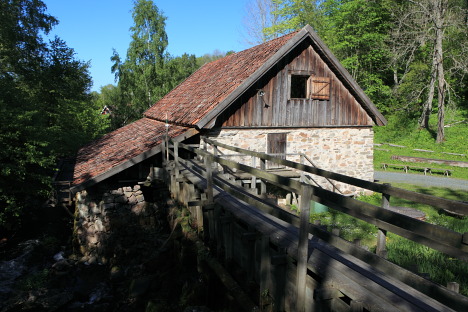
(433, 236)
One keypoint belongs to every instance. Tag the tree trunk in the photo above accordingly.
(440, 9)
(427, 108)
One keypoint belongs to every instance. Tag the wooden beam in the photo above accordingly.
(433, 290)
(456, 163)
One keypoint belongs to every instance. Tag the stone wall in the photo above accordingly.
(342, 150)
(108, 222)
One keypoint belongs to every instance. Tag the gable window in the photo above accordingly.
(299, 86)
(309, 87)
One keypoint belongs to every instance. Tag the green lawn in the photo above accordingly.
(407, 134)
(440, 267)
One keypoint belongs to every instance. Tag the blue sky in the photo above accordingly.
(94, 27)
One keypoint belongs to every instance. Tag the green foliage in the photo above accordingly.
(46, 111)
(210, 57)
(148, 71)
(295, 14)
(388, 47)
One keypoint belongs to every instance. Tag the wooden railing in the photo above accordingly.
(433, 236)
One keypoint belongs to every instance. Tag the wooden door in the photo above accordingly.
(276, 146)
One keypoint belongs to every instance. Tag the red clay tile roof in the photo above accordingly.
(189, 102)
(119, 146)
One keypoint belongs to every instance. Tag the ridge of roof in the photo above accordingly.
(199, 99)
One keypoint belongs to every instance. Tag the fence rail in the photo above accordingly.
(436, 237)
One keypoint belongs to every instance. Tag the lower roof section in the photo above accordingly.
(121, 149)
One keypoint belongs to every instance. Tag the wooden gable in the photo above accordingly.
(301, 90)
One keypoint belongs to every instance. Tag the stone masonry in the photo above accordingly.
(347, 151)
(108, 222)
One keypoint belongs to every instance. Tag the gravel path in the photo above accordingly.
(420, 179)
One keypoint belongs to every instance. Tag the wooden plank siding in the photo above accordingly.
(276, 109)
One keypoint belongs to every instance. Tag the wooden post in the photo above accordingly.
(208, 205)
(209, 178)
(205, 148)
(262, 183)
(167, 145)
(381, 249)
(356, 306)
(302, 179)
(279, 261)
(163, 150)
(248, 239)
(227, 222)
(303, 248)
(453, 286)
(253, 184)
(176, 159)
(265, 271)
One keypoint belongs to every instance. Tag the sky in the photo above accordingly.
(93, 28)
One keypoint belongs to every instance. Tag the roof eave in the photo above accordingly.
(129, 163)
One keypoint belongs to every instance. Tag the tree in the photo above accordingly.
(179, 68)
(142, 75)
(148, 71)
(355, 30)
(291, 15)
(426, 28)
(45, 108)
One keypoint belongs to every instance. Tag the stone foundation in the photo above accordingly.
(108, 222)
(347, 151)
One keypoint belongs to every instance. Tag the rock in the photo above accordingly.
(98, 226)
(91, 260)
(132, 200)
(138, 208)
(117, 192)
(121, 199)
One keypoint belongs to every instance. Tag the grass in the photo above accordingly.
(413, 256)
(440, 267)
(406, 133)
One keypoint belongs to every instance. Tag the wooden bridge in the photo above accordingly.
(292, 264)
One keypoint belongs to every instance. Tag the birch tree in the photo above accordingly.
(141, 75)
(259, 16)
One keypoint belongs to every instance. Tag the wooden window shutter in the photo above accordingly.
(320, 87)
